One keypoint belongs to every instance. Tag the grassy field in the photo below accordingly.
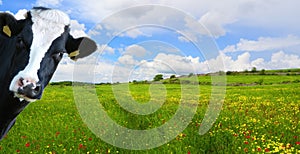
(255, 118)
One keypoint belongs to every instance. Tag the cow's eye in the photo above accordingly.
(58, 56)
(20, 43)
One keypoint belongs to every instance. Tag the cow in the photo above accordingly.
(30, 51)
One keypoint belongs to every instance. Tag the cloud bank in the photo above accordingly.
(264, 44)
(127, 68)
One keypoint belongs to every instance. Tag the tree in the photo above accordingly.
(172, 76)
(228, 73)
(262, 72)
(158, 77)
(253, 70)
(191, 74)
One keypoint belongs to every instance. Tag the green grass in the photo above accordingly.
(267, 79)
(257, 118)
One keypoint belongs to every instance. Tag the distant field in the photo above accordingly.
(255, 118)
(252, 79)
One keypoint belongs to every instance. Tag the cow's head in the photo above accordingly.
(41, 40)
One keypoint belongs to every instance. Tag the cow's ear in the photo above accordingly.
(80, 47)
(8, 25)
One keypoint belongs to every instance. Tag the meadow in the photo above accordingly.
(260, 114)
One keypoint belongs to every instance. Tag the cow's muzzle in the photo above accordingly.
(28, 90)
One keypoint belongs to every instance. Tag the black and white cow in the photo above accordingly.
(30, 50)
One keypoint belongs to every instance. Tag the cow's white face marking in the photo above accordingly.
(47, 26)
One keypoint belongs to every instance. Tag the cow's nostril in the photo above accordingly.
(37, 88)
(20, 82)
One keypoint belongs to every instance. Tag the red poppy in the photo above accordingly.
(248, 136)
(267, 150)
(90, 139)
(18, 151)
(258, 149)
(189, 152)
(57, 133)
(298, 143)
(80, 146)
(27, 144)
(246, 142)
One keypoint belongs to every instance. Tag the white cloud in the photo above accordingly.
(77, 29)
(20, 14)
(48, 3)
(106, 49)
(0, 2)
(282, 60)
(192, 28)
(213, 14)
(215, 21)
(166, 64)
(97, 72)
(142, 21)
(240, 64)
(126, 69)
(278, 60)
(275, 15)
(176, 63)
(127, 60)
(96, 11)
(264, 44)
(95, 30)
(134, 33)
(130, 53)
(136, 51)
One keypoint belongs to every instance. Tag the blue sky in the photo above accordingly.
(137, 41)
